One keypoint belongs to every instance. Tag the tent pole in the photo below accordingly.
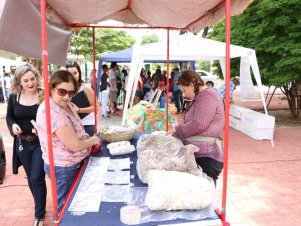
(47, 108)
(167, 83)
(94, 79)
(227, 107)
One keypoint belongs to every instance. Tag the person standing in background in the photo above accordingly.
(105, 90)
(234, 82)
(113, 87)
(21, 110)
(84, 99)
(7, 84)
(177, 93)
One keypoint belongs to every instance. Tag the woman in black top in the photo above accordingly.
(84, 99)
(21, 110)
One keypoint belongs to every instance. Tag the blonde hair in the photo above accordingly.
(20, 71)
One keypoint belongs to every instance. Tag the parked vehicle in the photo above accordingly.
(208, 77)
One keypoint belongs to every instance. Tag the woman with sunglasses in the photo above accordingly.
(21, 109)
(84, 99)
(70, 145)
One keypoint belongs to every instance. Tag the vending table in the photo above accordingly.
(109, 212)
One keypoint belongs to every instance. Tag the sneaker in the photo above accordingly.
(38, 222)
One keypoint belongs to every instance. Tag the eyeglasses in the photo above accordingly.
(63, 92)
(71, 64)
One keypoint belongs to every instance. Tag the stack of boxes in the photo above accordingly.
(257, 125)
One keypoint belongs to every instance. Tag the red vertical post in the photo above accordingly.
(227, 106)
(94, 77)
(47, 108)
(167, 82)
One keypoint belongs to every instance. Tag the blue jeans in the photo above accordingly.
(31, 159)
(65, 177)
(178, 97)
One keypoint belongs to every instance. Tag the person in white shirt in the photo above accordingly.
(105, 90)
(7, 84)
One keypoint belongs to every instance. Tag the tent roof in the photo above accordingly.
(63, 15)
(187, 47)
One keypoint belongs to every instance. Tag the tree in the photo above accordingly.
(150, 39)
(105, 40)
(272, 28)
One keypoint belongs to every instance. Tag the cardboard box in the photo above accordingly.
(257, 133)
(236, 110)
(235, 123)
(258, 120)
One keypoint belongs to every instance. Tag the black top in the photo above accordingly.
(104, 82)
(20, 114)
(81, 100)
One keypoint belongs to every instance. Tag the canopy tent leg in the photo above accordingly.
(227, 108)
(167, 83)
(94, 79)
(47, 109)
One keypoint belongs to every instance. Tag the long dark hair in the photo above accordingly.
(76, 65)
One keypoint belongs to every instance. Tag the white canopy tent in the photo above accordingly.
(190, 47)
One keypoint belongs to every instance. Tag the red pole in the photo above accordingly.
(47, 108)
(94, 78)
(167, 82)
(227, 101)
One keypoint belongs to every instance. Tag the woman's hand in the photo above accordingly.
(95, 141)
(16, 129)
(171, 132)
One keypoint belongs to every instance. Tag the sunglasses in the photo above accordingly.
(71, 64)
(63, 92)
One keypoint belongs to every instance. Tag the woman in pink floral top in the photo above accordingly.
(203, 122)
(70, 145)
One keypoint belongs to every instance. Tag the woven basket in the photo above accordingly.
(116, 137)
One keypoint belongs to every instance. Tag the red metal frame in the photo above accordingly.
(43, 3)
(167, 83)
(47, 108)
(227, 107)
(94, 78)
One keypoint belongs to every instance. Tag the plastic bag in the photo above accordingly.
(137, 198)
(172, 190)
(166, 153)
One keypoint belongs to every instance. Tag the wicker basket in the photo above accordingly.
(116, 137)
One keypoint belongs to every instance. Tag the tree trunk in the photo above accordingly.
(292, 92)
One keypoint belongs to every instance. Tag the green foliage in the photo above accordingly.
(272, 28)
(150, 39)
(106, 40)
(203, 65)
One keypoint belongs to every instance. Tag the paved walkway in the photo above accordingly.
(263, 181)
